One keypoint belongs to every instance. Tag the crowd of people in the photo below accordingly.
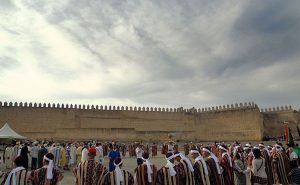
(197, 164)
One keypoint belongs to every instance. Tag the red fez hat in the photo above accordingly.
(92, 150)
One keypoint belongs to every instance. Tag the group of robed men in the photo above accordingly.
(211, 166)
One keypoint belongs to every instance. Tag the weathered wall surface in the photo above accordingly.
(236, 124)
(71, 123)
(275, 120)
(49, 121)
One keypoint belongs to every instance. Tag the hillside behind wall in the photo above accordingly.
(77, 122)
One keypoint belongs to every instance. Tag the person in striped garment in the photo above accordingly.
(226, 164)
(295, 173)
(170, 174)
(212, 162)
(145, 174)
(185, 164)
(118, 176)
(201, 169)
(89, 172)
(46, 175)
(280, 165)
(267, 156)
(17, 176)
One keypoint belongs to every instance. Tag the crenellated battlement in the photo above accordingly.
(228, 107)
(90, 107)
(277, 109)
(82, 121)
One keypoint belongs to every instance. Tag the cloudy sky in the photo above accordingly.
(193, 53)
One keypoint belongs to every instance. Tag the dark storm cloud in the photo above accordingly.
(264, 34)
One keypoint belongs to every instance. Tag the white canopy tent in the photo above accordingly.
(8, 133)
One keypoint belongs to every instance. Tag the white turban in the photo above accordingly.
(149, 169)
(190, 166)
(49, 168)
(226, 153)
(171, 166)
(119, 173)
(200, 158)
(215, 159)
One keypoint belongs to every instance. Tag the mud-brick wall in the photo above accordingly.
(63, 123)
(276, 121)
(230, 125)
(47, 121)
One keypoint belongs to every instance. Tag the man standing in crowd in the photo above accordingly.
(55, 150)
(73, 155)
(139, 152)
(47, 175)
(154, 150)
(267, 156)
(113, 155)
(99, 152)
(295, 173)
(292, 156)
(34, 156)
(42, 151)
(213, 164)
(226, 164)
(17, 176)
(280, 165)
(8, 157)
(118, 176)
(186, 166)
(24, 154)
(200, 169)
(145, 174)
(169, 174)
(89, 172)
(186, 148)
(84, 153)
(78, 153)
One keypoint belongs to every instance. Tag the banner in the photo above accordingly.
(289, 140)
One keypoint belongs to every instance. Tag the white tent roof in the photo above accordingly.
(8, 133)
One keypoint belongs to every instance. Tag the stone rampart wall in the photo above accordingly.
(241, 121)
(276, 119)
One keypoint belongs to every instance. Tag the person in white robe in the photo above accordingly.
(9, 154)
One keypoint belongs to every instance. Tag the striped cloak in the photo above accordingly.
(189, 175)
(110, 178)
(200, 177)
(281, 166)
(268, 166)
(214, 177)
(39, 177)
(142, 175)
(21, 176)
(164, 178)
(228, 171)
(89, 172)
